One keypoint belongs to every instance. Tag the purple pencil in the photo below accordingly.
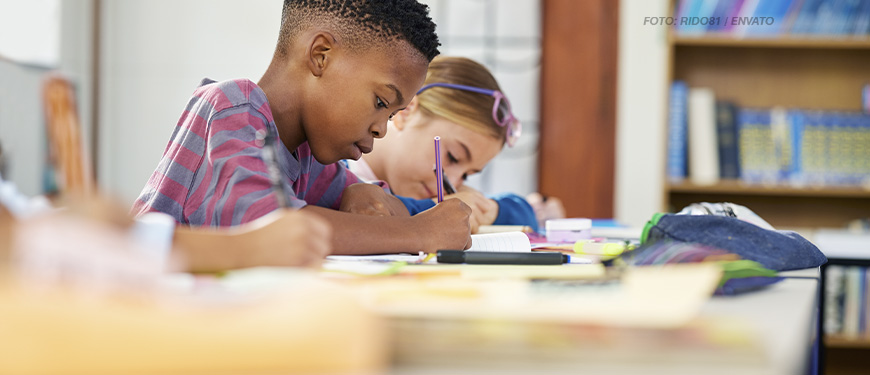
(438, 171)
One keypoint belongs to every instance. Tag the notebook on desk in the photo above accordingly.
(505, 241)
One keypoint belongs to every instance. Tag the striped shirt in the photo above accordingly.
(212, 172)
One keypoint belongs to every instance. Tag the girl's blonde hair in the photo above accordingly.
(469, 109)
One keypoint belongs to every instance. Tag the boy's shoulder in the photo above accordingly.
(230, 93)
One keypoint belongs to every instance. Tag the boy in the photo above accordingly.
(340, 70)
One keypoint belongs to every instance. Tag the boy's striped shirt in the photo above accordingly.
(212, 172)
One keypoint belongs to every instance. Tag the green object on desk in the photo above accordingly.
(738, 269)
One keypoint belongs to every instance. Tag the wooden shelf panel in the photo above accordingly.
(740, 188)
(783, 207)
(779, 42)
(830, 79)
(840, 341)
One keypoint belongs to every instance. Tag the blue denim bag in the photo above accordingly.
(774, 249)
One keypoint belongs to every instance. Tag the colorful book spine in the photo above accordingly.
(677, 132)
(795, 173)
(727, 138)
(833, 322)
(862, 20)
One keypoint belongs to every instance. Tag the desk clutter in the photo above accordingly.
(635, 307)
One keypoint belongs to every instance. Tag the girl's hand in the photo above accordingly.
(484, 211)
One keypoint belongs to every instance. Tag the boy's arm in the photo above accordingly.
(281, 238)
(443, 227)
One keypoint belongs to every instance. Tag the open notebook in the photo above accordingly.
(506, 241)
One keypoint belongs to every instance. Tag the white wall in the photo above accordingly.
(640, 118)
(155, 53)
(29, 33)
(505, 36)
(22, 129)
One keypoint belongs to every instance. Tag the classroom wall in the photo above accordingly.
(152, 60)
(640, 118)
(49, 36)
(154, 54)
(21, 125)
(505, 36)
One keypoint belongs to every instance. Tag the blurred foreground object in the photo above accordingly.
(80, 297)
(66, 149)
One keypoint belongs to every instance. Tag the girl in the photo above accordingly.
(462, 103)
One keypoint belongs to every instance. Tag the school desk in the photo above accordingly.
(783, 316)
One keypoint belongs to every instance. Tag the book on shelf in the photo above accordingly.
(726, 140)
(771, 146)
(677, 131)
(846, 302)
(773, 18)
(703, 150)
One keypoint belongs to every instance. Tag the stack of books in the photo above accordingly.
(710, 140)
(769, 18)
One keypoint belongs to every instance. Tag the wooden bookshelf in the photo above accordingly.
(737, 187)
(840, 341)
(781, 42)
(794, 72)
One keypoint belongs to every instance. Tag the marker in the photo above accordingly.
(487, 257)
(270, 156)
(439, 173)
(607, 249)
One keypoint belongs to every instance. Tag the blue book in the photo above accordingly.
(847, 16)
(775, 9)
(796, 120)
(677, 132)
(699, 10)
(726, 139)
(824, 22)
(813, 148)
(688, 9)
(722, 7)
(755, 144)
(806, 17)
(862, 19)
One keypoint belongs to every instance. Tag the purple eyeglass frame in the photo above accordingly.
(514, 127)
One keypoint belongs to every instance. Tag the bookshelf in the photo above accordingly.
(723, 40)
(809, 72)
(815, 73)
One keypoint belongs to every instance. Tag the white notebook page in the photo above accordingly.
(507, 242)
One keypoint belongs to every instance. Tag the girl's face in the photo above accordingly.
(409, 168)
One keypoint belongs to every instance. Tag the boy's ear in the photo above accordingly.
(401, 118)
(320, 52)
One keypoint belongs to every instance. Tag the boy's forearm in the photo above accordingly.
(355, 234)
(209, 250)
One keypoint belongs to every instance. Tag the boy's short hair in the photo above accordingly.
(362, 23)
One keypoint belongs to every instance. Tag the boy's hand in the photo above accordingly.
(372, 200)
(484, 211)
(288, 238)
(445, 226)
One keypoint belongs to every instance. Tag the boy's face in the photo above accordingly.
(352, 100)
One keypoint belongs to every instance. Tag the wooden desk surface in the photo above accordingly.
(783, 316)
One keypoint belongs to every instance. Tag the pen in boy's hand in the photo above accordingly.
(439, 173)
(270, 156)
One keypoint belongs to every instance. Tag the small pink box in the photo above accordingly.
(569, 230)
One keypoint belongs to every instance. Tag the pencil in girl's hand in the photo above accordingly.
(445, 182)
(438, 171)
